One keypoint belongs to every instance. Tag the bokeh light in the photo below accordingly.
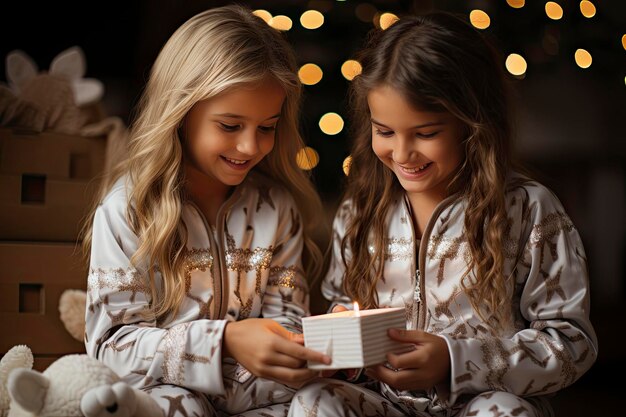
(281, 22)
(351, 69)
(583, 58)
(310, 74)
(331, 123)
(587, 9)
(312, 19)
(307, 158)
(387, 19)
(554, 10)
(479, 19)
(346, 165)
(516, 4)
(516, 64)
(263, 14)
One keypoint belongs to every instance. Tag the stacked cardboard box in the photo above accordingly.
(47, 183)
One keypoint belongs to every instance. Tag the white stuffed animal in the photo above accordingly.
(74, 385)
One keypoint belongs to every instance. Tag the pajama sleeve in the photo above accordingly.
(118, 332)
(558, 343)
(286, 298)
(332, 286)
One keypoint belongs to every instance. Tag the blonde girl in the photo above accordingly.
(196, 282)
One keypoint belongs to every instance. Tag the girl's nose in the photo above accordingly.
(403, 150)
(248, 143)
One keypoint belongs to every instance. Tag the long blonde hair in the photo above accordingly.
(439, 63)
(214, 51)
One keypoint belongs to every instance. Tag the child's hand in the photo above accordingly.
(268, 350)
(420, 369)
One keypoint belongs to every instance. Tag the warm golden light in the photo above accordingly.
(554, 10)
(307, 158)
(312, 19)
(346, 165)
(351, 69)
(516, 4)
(281, 22)
(310, 74)
(587, 9)
(624, 41)
(583, 58)
(365, 12)
(479, 19)
(387, 19)
(356, 308)
(331, 123)
(263, 14)
(516, 64)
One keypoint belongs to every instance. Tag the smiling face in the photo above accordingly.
(227, 135)
(422, 148)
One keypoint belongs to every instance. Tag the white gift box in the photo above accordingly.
(354, 339)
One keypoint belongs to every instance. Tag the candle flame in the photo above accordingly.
(356, 307)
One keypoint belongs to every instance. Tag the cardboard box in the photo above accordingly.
(354, 339)
(55, 155)
(36, 208)
(32, 278)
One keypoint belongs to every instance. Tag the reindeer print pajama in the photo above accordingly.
(249, 265)
(548, 344)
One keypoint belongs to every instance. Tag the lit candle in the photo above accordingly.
(356, 309)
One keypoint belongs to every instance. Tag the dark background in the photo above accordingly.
(569, 123)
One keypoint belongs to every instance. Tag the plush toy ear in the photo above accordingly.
(20, 68)
(87, 90)
(69, 64)
(28, 389)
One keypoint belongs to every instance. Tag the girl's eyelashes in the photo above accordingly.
(267, 129)
(229, 128)
(384, 133)
(233, 128)
(390, 133)
(427, 135)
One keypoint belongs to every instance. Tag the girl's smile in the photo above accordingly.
(422, 148)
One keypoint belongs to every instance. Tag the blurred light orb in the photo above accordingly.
(281, 22)
(516, 4)
(583, 58)
(587, 9)
(516, 64)
(263, 14)
(387, 19)
(479, 19)
(351, 69)
(307, 158)
(310, 74)
(347, 163)
(312, 19)
(554, 10)
(624, 41)
(331, 123)
(365, 12)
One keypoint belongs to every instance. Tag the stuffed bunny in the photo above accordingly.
(59, 100)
